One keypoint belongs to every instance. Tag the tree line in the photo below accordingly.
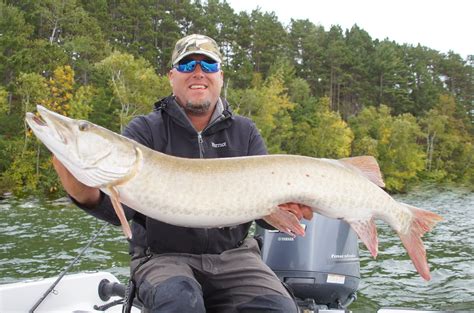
(311, 91)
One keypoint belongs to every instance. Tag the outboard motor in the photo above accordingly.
(321, 268)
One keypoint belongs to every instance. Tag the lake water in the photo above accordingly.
(39, 238)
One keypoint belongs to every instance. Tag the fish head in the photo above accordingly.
(96, 156)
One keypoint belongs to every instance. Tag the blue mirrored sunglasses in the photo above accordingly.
(189, 66)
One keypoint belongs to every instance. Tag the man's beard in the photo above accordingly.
(197, 108)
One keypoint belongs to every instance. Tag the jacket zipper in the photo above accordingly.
(199, 134)
(201, 155)
(201, 146)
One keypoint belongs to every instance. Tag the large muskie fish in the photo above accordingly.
(230, 191)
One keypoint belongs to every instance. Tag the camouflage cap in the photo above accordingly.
(196, 44)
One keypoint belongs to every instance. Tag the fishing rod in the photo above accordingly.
(47, 292)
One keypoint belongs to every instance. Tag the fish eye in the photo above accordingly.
(83, 126)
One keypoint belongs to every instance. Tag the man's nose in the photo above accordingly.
(198, 71)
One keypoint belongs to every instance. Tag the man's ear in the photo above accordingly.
(170, 78)
(222, 79)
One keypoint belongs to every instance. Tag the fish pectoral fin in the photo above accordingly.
(115, 197)
(367, 232)
(285, 222)
(367, 166)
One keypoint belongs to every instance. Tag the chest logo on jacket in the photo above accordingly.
(219, 145)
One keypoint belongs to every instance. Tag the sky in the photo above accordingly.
(437, 24)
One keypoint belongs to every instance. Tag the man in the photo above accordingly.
(178, 269)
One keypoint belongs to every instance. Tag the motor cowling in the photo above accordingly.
(323, 265)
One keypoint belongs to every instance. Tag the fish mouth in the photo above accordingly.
(54, 124)
(37, 120)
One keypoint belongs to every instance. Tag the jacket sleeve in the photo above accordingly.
(256, 143)
(138, 130)
(104, 210)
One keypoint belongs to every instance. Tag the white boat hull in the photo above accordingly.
(78, 293)
(74, 293)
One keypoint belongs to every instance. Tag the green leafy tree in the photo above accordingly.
(21, 176)
(218, 21)
(15, 33)
(307, 45)
(392, 140)
(269, 40)
(458, 78)
(391, 76)
(29, 171)
(61, 20)
(448, 144)
(81, 102)
(67, 25)
(42, 58)
(268, 105)
(134, 84)
(170, 20)
(424, 83)
(33, 89)
(320, 132)
(336, 61)
(84, 52)
(239, 69)
(357, 89)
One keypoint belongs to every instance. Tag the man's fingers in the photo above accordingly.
(299, 210)
(285, 222)
(307, 212)
(293, 208)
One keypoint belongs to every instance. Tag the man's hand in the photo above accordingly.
(88, 196)
(287, 218)
(299, 210)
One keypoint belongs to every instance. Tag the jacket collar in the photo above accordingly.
(221, 113)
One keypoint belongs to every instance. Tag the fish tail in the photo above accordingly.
(422, 222)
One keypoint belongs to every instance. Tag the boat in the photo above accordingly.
(327, 284)
(322, 274)
(93, 292)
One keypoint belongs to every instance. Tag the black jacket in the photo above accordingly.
(167, 129)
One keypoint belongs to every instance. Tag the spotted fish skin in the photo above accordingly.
(229, 191)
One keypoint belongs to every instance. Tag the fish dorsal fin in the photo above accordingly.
(367, 166)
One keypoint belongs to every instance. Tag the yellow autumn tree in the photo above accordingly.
(64, 98)
(3, 101)
(61, 89)
(58, 93)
